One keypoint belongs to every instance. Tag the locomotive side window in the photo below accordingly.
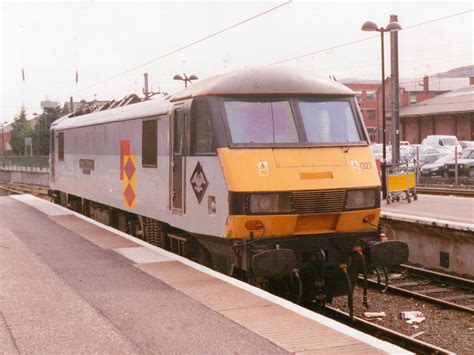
(51, 141)
(261, 122)
(178, 129)
(149, 144)
(61, 146)
(202, 133)
(329, 121)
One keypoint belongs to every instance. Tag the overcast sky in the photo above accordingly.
(100, 39)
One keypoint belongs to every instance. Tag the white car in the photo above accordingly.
(443, 144)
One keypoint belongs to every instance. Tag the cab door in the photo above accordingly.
(177, 161)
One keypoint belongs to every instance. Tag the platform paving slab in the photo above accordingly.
(105, 304)
(102, 275)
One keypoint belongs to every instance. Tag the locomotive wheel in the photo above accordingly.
(203, 256)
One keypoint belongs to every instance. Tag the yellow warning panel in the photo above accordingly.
(401, 182)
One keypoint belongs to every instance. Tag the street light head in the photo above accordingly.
(369, 26)
(178, 77)
(393, 26)
(193, 77)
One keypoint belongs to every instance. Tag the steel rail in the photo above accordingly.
(23, 188)
(444, 191)
(402, 340)
(414, 294)
(464, 284)
(440, 277)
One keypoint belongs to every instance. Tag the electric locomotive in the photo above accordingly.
(264, 174)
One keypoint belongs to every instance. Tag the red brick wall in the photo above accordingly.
(444, 125)
(465, 127)
(6, 137)
(365, 103)
(459, 125)
(410, 130)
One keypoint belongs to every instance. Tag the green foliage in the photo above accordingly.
(41, 132)
(37, 129)
(22, 128)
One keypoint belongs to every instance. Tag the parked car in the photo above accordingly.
(377, 149)
(443, 144)
(465, 164)
(436, 168)
(423, 149)
(466, 144)
(424, 159)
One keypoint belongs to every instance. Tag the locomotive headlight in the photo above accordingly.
(270, 203)
(361, 199)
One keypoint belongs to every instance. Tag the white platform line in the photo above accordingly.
(42, 205)
(429, 221)
(141, 255)
(366, 338)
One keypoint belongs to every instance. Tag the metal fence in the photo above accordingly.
(25, 163)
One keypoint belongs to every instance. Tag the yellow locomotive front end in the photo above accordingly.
(290, 191)
(304, 194)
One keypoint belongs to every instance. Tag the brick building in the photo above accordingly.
(5, 137)
(366, 96)
(414, 92)
(449, 114)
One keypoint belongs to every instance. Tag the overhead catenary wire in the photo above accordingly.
(373, 64)
(324, 50)
(202, 39)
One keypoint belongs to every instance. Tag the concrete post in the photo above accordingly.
(395, 109)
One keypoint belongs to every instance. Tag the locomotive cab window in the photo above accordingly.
(149, 144)
(202, 133)
(329, 121)
(61, 146)
(261, 122)
(293, 122)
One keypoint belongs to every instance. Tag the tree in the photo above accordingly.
(21, 129)
(43, 124)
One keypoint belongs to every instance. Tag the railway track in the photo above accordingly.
(445, 191)
(434, 287)
(24, 188)
(408, 342)
(405, 341)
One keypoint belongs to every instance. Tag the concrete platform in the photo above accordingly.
(439, 231)
(446, 208)
(71, 285)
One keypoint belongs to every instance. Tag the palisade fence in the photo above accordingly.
(31, 163)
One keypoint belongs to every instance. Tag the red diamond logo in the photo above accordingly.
(129, 168)
(129, 194)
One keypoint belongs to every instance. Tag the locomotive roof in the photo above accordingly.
(256, 81)
(264, 80)
(157, 105)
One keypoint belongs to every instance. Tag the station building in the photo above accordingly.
(451, 113)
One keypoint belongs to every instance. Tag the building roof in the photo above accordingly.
(360, 81)
(435, 84)
(460, 100)
(262, 81)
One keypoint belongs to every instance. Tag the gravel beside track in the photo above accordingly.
(449, 329)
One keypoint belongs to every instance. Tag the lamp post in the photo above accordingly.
(392, 26)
